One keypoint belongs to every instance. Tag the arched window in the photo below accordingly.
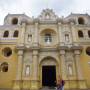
(80, 20)
(48, 38)
(15, 34)
(4, 67)
(15, 21)
(89, 33)
(6, 34)
(80, 34)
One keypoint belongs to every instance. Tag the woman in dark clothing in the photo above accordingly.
(60, 84)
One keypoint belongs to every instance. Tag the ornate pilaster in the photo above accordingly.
(18, 81)
(62, 50)
(35, 64)
(61, 41)
(35, 43)
(35, 79)
(22, 34)
(78, 66)
(74, 34)
(63, 64)
(20, 64)
(63, 68)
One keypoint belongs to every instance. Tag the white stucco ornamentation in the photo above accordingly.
(46, 40)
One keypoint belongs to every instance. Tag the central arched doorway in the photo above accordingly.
(48, 71)
(48, 75)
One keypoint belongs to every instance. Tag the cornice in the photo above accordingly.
(20, 47)
(47, 22)
(7, 43)
(5, 27)
(62, 47)
(82, 26)
(76, 48)
(48, 49)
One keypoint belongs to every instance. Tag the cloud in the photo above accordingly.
(34, 7)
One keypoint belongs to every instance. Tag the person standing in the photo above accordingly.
(59, 83)
(62, 84)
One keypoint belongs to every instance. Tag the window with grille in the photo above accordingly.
(48, 38)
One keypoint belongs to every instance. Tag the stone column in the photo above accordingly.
(35, 79)
(63, 64)
(63, 67)
(61, 40)
(36, 33)
(35, 64)
(81, 82)
(73, 32)
(21, 40)
(20, 64)
(78, 66)
(18, 81)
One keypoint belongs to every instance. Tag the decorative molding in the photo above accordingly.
(63, 48)
(20, 47)
(77, 48)
(20, 52)
(48, 49)
(47, 14)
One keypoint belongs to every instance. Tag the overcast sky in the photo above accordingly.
(34, 7)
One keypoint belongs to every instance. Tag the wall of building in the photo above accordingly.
(32, 50)
(6, 78)
(85, 59)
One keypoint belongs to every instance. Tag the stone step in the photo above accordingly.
(45, 88)
(54, 88)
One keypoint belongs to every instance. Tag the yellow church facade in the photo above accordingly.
(34, 52)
